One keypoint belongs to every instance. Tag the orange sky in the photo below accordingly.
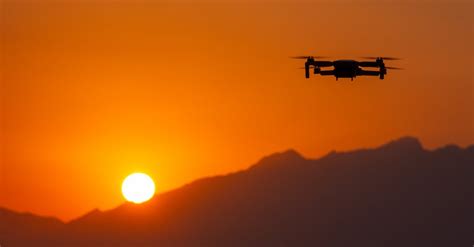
(93, 91)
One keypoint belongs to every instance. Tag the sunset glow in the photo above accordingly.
(93, 90)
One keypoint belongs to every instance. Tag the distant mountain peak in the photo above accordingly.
(90, 215)
(407, 143)
(92, 212)
(287, 157)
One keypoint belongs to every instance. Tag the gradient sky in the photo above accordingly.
(94, 90)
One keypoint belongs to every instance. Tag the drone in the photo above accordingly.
(347, 68)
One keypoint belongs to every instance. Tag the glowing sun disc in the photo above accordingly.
(138, 188)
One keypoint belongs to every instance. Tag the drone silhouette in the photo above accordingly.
(346, 68)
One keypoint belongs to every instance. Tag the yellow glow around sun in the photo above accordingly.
(138, 188)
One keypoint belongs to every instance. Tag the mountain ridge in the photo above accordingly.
(282, 155)
(286, 198)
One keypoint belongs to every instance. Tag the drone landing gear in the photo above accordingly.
(317, 70)
(306, 70)
(383, 70)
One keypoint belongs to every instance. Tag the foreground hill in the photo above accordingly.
(396, 195)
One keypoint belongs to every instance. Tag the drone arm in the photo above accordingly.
(369, 73)
(369, 64)
(322, 63)
(326, 72)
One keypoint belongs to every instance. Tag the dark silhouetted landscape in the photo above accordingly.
(396, 195)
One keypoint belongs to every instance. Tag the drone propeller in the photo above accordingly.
(394, 68)
(384, 58)
(306, 57)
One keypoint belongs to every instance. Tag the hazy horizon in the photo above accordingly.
(263, 157)
(231, 172)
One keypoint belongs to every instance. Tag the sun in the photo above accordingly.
(138, 188)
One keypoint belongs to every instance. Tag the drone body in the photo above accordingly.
(346, 68)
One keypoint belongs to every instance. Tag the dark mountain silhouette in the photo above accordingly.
(21, 229)
(396, 195)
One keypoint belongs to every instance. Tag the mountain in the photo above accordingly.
(20, 229)
(396, 195)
